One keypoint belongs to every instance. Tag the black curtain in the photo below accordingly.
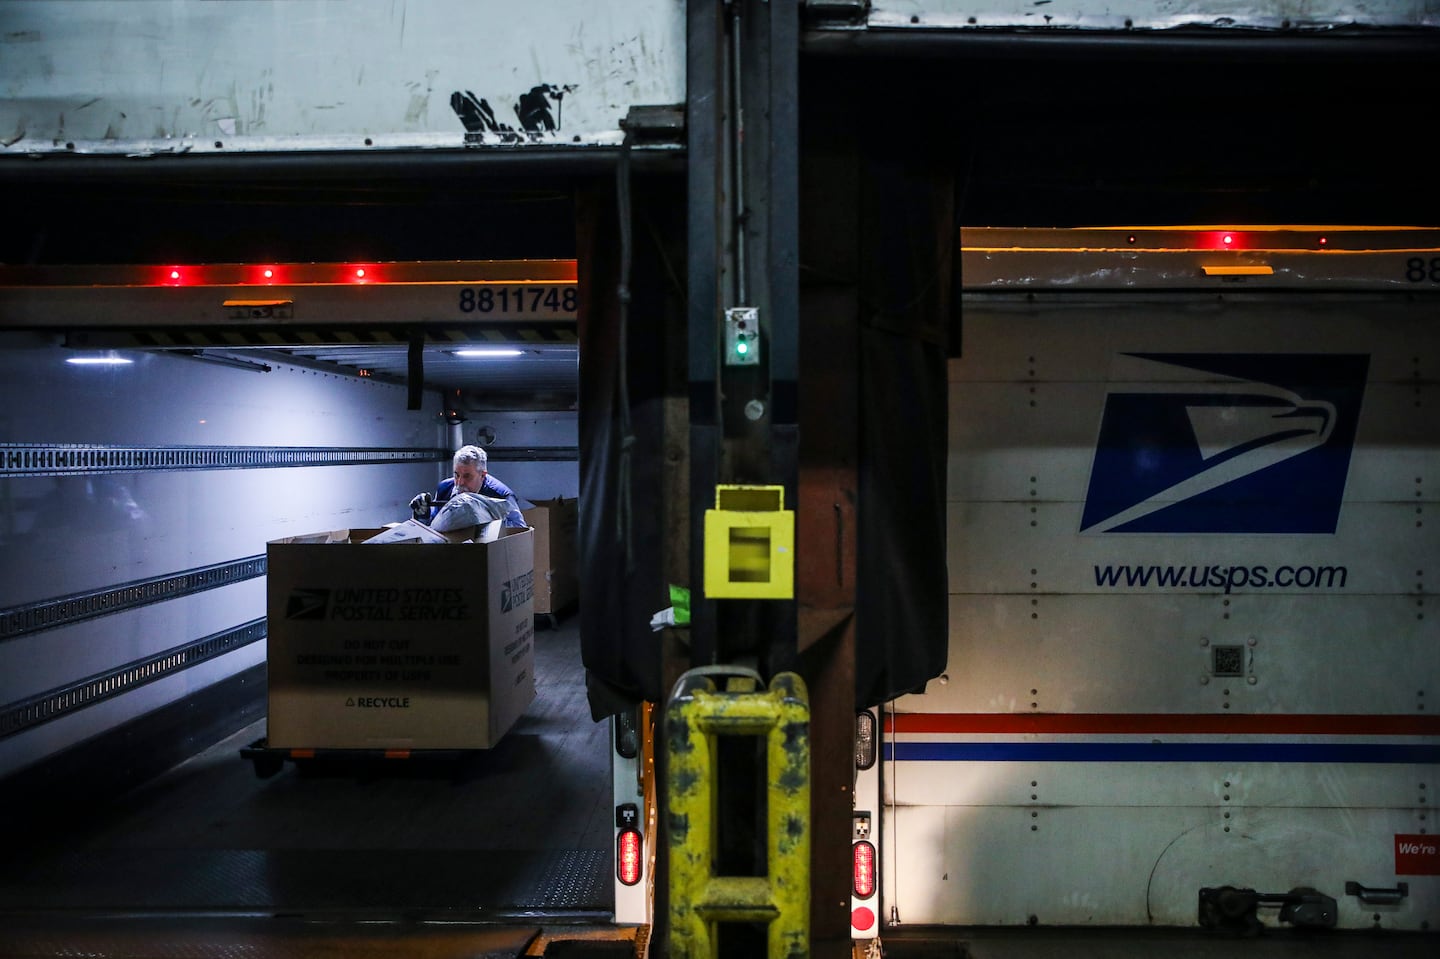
(907, 298)
(626, 367)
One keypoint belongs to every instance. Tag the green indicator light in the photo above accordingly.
(742, 336)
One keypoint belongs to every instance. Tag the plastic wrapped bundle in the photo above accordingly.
(468, 509)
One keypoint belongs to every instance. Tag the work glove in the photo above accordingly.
(420, 507)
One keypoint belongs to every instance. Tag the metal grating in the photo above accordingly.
(138, 873)
(191, 936)
(60, 611)
(67, 459)
(64, 700)
(567, 879)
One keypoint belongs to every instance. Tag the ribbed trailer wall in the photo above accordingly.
(137, 502)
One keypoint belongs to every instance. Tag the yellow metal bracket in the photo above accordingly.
(749, 544)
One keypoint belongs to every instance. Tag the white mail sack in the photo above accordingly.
(468, 509)
(409, 531)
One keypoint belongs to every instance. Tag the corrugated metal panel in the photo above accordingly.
(153, 77)
(1116, 724)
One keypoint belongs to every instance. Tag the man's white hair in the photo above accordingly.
(471, 454)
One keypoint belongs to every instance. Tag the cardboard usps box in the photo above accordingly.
(556, 523)
(398, 645)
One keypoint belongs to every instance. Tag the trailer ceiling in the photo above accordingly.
(304, 216)
(487, 334)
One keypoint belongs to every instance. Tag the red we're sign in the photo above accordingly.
(1417, 855)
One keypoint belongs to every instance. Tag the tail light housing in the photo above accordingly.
(629, 853)
(863, 869)
(627, 733)
(864, 739)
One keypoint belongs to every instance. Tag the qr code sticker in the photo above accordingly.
(1228, 660)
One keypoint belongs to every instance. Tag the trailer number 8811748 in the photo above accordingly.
(518, 300)
(1419, 270)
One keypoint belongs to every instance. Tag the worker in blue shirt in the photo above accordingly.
(471, 476)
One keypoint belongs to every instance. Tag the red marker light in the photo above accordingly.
(628, 850)
(1223, 240)
(1323, 241)
(360, 273)
(863, 870)
(172, 276)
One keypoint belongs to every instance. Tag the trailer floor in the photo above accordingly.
(475, 856)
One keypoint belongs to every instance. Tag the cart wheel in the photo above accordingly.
(267, 766)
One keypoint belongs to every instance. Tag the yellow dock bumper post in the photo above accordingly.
(694, 717)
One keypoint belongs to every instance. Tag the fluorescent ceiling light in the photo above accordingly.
(489, 352)
(99, 360)
(220, 359)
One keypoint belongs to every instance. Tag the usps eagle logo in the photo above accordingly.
(1225, 443)
(307, 603)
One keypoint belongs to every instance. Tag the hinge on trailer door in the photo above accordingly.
(655, 124)
(1234, 910)
(837, 12)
